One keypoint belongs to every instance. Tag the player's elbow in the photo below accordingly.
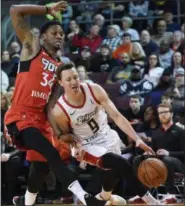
(13, 9)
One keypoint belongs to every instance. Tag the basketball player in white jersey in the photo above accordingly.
(81, 111)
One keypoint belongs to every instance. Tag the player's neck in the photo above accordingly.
(52, 53)
(75, 99)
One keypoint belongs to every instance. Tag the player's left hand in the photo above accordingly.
(145, 147)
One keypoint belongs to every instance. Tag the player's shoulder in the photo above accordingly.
(57, 110)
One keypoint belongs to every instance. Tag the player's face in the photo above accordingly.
(54, 37)
(165, 116)
(70, 81)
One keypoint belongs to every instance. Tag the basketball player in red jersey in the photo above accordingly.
(81, 110)
(26, 120)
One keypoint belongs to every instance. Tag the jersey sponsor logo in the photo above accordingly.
(85, 118)
(72, 112)
(40, 95)
(49, 65)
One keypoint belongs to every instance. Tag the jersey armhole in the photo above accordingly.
(92, 93)
(65, 112)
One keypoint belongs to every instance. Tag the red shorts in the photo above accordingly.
(28, 119)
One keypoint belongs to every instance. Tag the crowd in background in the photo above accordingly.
(140, 63)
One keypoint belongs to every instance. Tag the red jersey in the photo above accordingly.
(33, 85)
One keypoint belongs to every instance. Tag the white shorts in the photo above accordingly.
(108, 143)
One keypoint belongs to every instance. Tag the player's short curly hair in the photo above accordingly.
(47, 25)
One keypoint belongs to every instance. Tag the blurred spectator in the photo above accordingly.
(103, 61)
(165, 81)
(148, 45)
(139, 9)
(162, 34)
(84, 59)
(116, 9)
(92, 40)
(36, 31)
(4, 81)
(126, 24)
(165, 54)
(181, 120)
(125, 47)
(122, 72)
(6, 64)
(138, 55)
(112, 40)
(74, 29)
(171, 25)
(135, 113)
(136, 85)
(167, 99)
(178, 41)
(4, 108)
(178, 89)
(100, 21)
(66, 17)
(11, 164)
(150, 123)
(15, 48)
(183, 28)
(62, 58)
(86, 11)
(153, 71)
(83, 76)
(176, 63)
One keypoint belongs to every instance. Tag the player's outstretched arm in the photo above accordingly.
(21, 26)
(118, 118)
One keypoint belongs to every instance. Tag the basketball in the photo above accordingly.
(152, 172)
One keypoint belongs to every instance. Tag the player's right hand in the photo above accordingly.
(60, 6)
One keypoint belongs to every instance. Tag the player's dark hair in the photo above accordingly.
(47, 25)
(64, 67)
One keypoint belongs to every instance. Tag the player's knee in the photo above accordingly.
(115, 161)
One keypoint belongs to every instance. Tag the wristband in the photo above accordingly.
(47, 9)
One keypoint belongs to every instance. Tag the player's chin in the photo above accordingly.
(57, 46)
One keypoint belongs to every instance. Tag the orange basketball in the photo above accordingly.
(152, 172)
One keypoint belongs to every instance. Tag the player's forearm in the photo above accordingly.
(28, 9)
(126, 127)
(53, 124)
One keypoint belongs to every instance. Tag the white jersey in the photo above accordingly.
(88, 121)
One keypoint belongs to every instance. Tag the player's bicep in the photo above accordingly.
(105, 101)
(60, 119)
(21, 27)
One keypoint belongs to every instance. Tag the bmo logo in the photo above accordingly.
(49, 65)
